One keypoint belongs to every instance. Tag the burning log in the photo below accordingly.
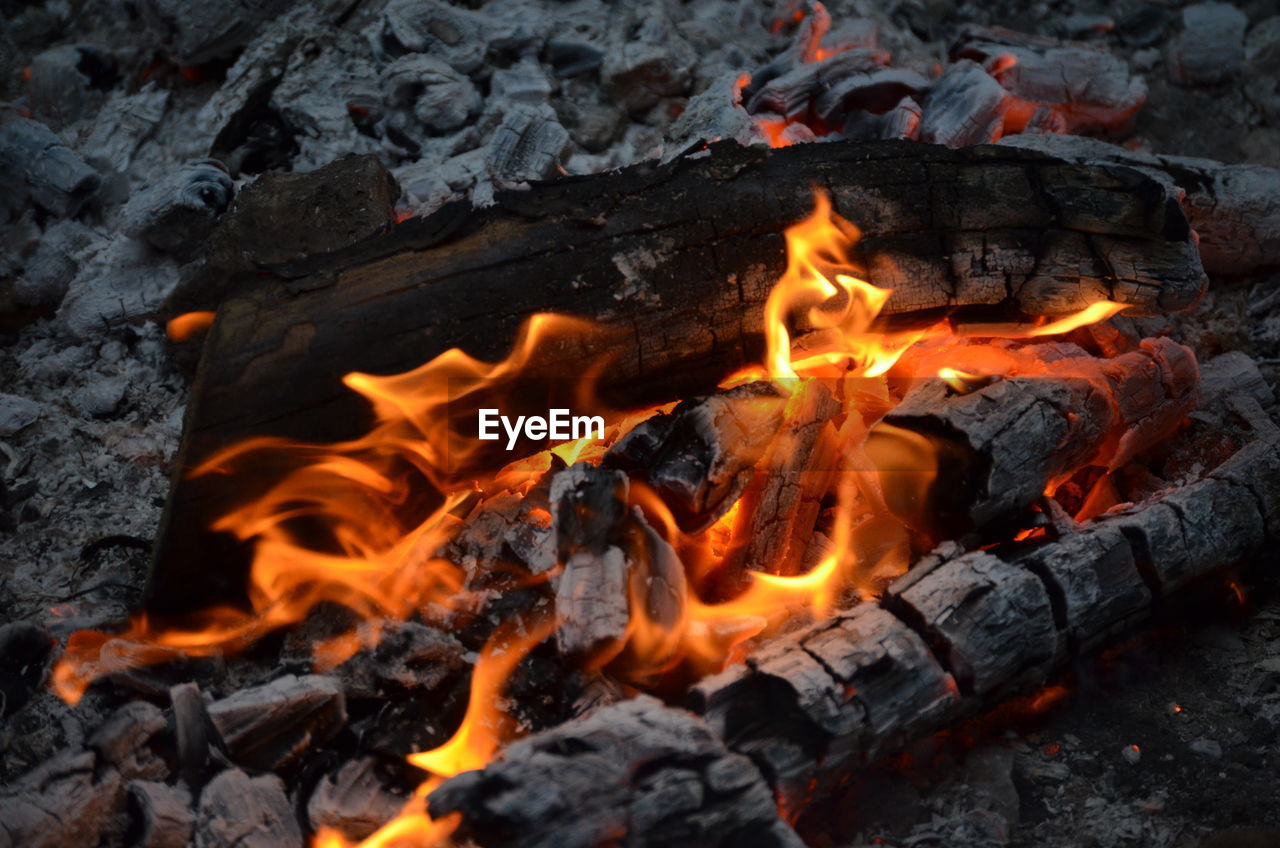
(635, 774)
(991, 622)
(616, 567)
(811, 705)
(588, 507)
(650, 249)
(1002, 445)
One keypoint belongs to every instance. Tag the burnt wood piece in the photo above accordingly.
(588, 510)
(1234, 209)
(811, 705)
(1000, 446)
(193, 733)
(353, 800)
(965, 106)
(989, 621)
(507, 525)
(778, 514)
(238, 811)
(829, 698)
(36, 164)
(631, 774)
(163, 814)
(73, 798)
(699, 457)
(267, 727)
(178, 211)
(405, 656)
(679, 256)
(1090, 89)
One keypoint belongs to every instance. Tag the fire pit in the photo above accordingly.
(823, 476)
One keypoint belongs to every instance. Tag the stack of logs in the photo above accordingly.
(956, 635)
(1002, 231)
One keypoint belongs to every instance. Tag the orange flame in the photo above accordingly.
(186, 325)
(364, 523)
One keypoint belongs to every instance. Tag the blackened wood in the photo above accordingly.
(507, 525)
(699, 457)
(588, 511)
(1199, 529)
(631, 774)
(193, 733)
(164, 814)
(778, 514)
(681, 256)
(176, 212)
(267, 727)
(1233, 208)
(405, 656)
(64, 801)
(965, 106)
(829, 698)
(991, 622)
(36, 164)
(1095, 582)
(1000, 446)
(73, 798)
(238, 811)
(353, 801)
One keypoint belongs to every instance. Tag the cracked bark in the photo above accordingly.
(1000, 446)
(960, 632)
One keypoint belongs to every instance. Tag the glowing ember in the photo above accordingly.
(188, 324)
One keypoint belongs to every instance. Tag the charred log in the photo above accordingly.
(959, 633)
(1233, 208)
(1000, 446)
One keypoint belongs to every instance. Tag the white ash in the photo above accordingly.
(83, 456)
